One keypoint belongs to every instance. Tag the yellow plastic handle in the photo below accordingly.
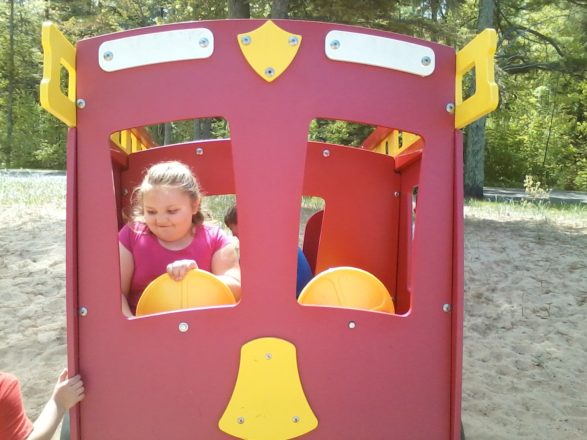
(477, 54)
(58, 52)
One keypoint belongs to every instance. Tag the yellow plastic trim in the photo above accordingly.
(477, 54)
(269, 50)
(268, 401)
(392, 141)
(58, 52)
(197, 289)
(386, 145)
(129, 141)
(347, 287)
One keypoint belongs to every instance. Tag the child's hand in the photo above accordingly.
(68, 392)
(178, 269)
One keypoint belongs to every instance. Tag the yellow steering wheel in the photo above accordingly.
(197, 289)
(347, 287)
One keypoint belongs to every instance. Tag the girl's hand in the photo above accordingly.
(68, 391)
(178, 269)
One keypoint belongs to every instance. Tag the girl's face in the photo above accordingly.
(168, 213)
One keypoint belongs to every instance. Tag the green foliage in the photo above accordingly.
(339, 132)
(540, 128)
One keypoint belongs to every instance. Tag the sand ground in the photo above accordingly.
(525, 353)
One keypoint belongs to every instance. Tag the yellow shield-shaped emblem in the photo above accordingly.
(269, 50)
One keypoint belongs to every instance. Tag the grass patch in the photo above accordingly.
(568, 214)
(32, 191)
(44, 190)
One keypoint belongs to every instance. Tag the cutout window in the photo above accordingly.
(154, 291)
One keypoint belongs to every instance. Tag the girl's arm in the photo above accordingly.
(225, 266)
(127, 267)
(67, 393)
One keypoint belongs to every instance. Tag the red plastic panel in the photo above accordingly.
(312, 238)
(359, 227)
(389, 376)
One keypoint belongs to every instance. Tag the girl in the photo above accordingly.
(167, 234)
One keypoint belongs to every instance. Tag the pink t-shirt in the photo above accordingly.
(14, 424)
(151, 259)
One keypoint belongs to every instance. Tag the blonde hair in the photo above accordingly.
(171, 174)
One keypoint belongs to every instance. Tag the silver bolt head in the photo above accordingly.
(203, 42)
(240, 420)
(246, 40)
(396, 194)
(293, 40)
(352, 324)
(446, 308)
(326, 153)
(268, 356)
(450, 107)
(83, 311)
(334, 44)
(81, 103)
(183, 327)
(295, 419)
(426, 60)
(199, 151)
(108, 56)
(269, 71)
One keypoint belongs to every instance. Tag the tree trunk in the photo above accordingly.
(10, 79)
(203, 129)
(474, 161)
(239, 9)
(279, 8)
(167, 133)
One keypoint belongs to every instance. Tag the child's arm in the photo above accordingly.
(126, 270)
(225, 266)
(67, 393)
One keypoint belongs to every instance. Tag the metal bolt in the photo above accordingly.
(268, 356)
(352, 324)
(269, 71)
(125, 192)
(108, 56)
(426, 61)
(183, 327)
(446, 308)
(295, 419)
(81, 103)
(199, 151)
(396, 194)
(293, 40)
(326, 153)
(450, 107)
(83, 311)
(203, 42)
(240, 420)
(246, 40)
(334, 44)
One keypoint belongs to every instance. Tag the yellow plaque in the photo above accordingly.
(268, 401)
(269, 50)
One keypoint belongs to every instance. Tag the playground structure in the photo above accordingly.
(269, 367)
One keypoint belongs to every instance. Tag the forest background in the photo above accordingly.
(538, 130)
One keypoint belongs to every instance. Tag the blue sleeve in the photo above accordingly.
(304, 274)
